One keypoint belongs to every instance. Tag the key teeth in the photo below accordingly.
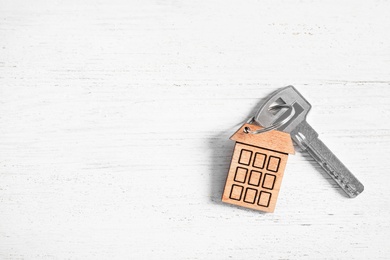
(354, 191)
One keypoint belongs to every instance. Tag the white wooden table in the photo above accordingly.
(115, 118)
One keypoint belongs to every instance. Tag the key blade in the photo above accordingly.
(335, 168)
(329, 162)
(285, 96)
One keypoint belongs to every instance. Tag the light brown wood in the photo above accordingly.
(273, 140)
(257, 168)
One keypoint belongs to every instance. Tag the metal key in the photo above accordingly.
(305, 136)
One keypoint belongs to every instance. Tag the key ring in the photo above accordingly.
(275, 125)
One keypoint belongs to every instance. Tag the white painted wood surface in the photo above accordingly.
(115, 117)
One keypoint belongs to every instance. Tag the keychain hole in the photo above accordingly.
(277, 102)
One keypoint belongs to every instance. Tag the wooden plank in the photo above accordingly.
(115, 118)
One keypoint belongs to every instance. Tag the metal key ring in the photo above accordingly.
(275, 125)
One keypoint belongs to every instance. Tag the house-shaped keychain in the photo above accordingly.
(257, 168)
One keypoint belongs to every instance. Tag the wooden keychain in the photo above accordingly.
(258, 163)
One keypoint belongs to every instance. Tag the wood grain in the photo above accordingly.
(115, 118)
(254, 177)
(272, 140)
(257, 167)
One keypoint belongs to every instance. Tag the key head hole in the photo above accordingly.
(277, 102)
(298, 110)
(286, 96)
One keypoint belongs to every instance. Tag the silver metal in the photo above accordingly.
(306, 137)
(284, 96)
(276, 124)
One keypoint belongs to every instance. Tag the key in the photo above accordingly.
(305, 136)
